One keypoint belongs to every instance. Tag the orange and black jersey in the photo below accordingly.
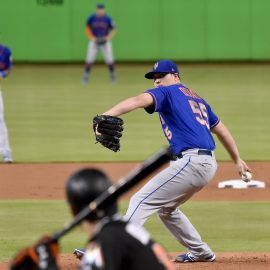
(121, 245)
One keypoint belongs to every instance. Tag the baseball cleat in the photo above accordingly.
(84, 81)
(113, 78)
(7, 158)
(79, 252)
(188, 257)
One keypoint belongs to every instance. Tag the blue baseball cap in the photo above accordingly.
(163, 66)
(100, 6)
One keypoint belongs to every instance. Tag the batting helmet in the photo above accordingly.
(83, 187)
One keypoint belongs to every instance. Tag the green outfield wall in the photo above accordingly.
(204, 30)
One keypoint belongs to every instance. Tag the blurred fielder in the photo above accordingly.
(100, 30)
(5, 67)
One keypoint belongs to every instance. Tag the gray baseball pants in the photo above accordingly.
(106, 50)
(168, 190)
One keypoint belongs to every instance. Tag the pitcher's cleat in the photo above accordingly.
(188, 257)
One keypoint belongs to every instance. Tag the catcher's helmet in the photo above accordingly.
(83, 187)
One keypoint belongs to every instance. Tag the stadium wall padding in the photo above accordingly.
(184, 30)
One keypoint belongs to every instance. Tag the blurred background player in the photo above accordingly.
(113, 244)
(5, 67)
(100, 30)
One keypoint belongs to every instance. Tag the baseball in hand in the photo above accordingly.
(246, 176)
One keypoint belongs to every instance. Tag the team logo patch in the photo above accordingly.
(156, 65)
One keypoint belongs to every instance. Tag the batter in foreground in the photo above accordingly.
(187, 121)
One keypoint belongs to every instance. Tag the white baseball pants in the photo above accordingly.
(4, 141)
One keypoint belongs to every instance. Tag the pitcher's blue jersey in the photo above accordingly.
(100, 25)
(185, 117)
(5, 58)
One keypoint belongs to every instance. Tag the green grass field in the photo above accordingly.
(49, 115)
(226, 226)
(49, 112)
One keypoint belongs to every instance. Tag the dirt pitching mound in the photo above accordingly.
(225, 261)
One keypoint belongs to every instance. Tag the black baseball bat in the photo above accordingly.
(114, 191)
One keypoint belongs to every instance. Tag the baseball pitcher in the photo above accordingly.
(100, 30)
(5, 67)
(187, 121)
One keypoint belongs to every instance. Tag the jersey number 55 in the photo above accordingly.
(200, 111)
